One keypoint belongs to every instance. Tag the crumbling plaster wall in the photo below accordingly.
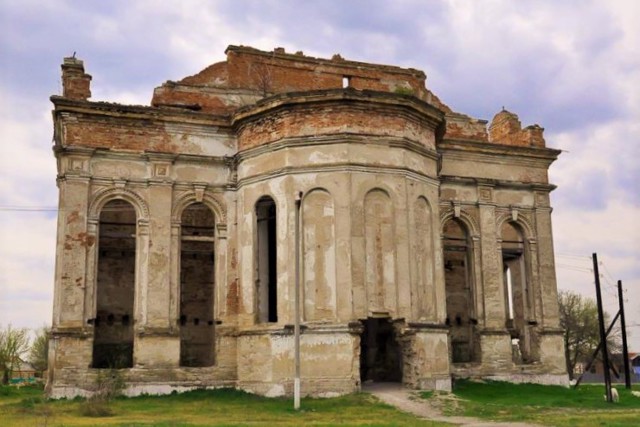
(382, 165)
(365, 209)
(515, 189)
(159, 185)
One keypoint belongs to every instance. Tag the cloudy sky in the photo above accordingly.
(572, 66)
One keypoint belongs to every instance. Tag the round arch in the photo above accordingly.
(104, 196)
(465, 218)
(314, 190)
(190, 197)
(522, 223)
(382, 188)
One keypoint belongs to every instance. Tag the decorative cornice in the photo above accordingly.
(487, 148)
(136, 112)
(337, 167)
(497, 183)
(364, 99)
(338, 138)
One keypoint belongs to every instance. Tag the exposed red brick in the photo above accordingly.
(75, 82)
(506, 129)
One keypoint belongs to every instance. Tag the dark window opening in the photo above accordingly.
(266, 262)
(112, 340)
(196, 286)
(380, 352)
(459, 292)
(516, 293)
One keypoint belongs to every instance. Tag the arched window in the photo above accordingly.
(458, 275)
(266, 261)
(113, 323)
(517, 292)
(197, 286)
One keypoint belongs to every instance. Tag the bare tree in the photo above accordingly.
(38, 354)
(262, 77)
(579, 319)
(13, 344)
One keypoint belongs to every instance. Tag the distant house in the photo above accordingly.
(634, 360)
(23, 372)
(595, 373)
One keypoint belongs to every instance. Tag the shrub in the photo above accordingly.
(109, 385)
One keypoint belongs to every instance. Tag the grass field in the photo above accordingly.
(27, 407)
(548, 405)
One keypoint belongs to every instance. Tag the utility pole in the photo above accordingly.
(597, 350)
(625, 350)
(603, 335)
(296, 326)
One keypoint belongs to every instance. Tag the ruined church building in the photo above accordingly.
(425, 234)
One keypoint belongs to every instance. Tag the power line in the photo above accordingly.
(574, 268)
(568, 255)
(29, 209)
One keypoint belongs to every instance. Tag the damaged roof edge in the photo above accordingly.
(337, 60)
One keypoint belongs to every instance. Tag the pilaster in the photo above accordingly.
(493, 291)
(158, 299)
(73, 241)
(546, 264)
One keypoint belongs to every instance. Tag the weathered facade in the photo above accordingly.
(426, 242)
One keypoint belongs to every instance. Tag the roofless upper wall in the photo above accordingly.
(249, 74)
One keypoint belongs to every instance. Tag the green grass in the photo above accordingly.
(26, 407)
(549, 405)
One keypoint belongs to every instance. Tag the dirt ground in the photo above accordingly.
(409, 401)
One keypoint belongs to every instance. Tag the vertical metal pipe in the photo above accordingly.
(296, 327)
(603, 335)
(623, 327)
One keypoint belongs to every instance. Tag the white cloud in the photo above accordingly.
(573, 67)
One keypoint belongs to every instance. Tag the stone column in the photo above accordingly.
(344, 297)
(426, 357)
(158, 317)
(546, 263)
(402, 234)
(551, 344)
(71, 345)
(157, 343)
(495, 342)
(246, 232)
(72, 242)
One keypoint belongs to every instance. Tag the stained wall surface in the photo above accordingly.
(409, 268)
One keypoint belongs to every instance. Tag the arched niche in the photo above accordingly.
(318, 220)
(115, 286)
(380, 252)
(423, 257)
